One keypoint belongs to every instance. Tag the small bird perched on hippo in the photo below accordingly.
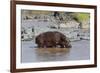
(52, 39)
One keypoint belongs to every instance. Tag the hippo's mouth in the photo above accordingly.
(69, 46)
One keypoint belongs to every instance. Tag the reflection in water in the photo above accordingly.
(51, 54)
(80, 51)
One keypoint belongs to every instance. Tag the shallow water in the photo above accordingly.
(80, 51)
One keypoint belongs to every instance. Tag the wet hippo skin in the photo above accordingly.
(52, 39)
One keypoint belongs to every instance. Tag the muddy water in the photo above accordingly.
(80, 51)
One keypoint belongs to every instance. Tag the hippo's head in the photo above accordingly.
(67, 44)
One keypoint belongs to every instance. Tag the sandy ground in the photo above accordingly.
(80, 51)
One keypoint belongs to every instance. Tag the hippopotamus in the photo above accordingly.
(52, 39)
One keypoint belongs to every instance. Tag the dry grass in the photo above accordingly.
(52, 50)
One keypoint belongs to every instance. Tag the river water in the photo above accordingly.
(80, 51)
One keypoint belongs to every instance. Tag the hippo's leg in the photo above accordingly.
(40, 45)
(54, 45)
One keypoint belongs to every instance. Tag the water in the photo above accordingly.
(80, 51)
